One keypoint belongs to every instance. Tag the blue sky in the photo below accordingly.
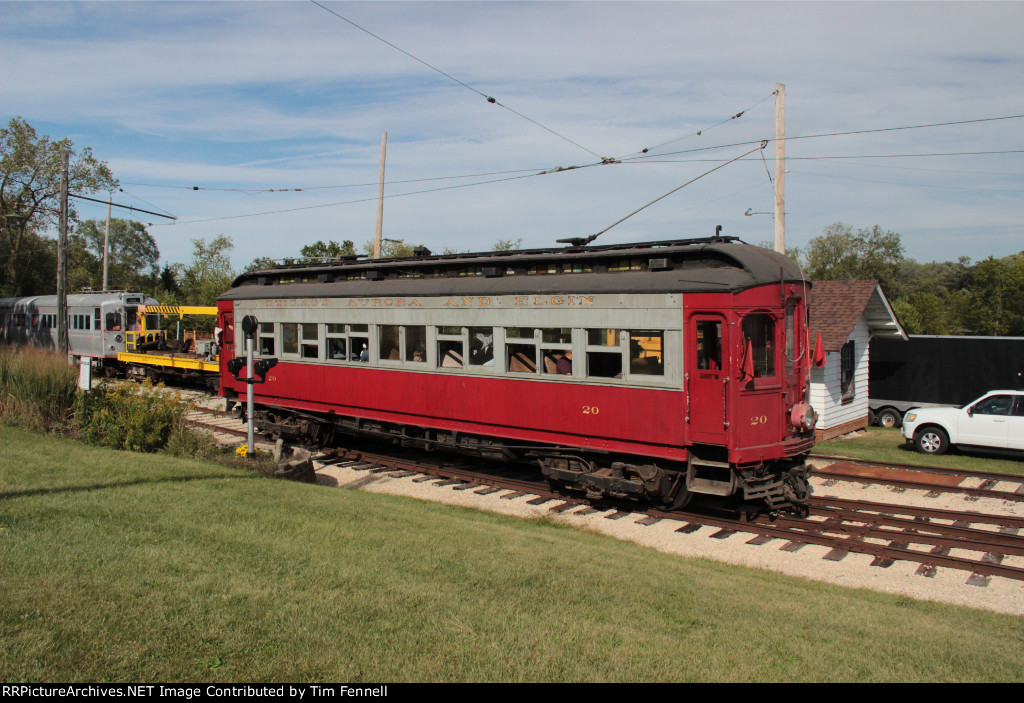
(244, 98)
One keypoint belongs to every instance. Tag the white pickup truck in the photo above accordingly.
(995, 421)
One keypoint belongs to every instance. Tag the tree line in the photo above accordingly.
(982, 298)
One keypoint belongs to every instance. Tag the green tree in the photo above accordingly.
(133, 257)
(323, 252)
(209, 274)
(508, 245)
(993, 302)
(867, 254)
(30, 175)
(392, 249)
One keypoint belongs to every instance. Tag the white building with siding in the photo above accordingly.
(847, 315)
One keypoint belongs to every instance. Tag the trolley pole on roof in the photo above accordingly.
(380, 197)
(780, 168)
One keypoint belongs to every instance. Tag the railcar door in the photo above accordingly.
(707, 374)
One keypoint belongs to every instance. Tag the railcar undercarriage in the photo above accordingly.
(671, 485)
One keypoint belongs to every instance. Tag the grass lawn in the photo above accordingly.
(887, 445)
(135, 568)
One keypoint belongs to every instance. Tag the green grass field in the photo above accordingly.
(888, 445)
(122, 567)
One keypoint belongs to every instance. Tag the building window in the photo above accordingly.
(847, 367)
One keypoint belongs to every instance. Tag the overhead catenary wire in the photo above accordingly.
(580, 241)
(648, 158)
(450, 77)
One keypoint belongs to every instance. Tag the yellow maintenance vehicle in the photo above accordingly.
(155, 351)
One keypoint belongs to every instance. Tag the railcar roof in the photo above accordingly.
(86, 299)
(691, 265)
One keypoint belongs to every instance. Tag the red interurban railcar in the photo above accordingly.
(655, 371)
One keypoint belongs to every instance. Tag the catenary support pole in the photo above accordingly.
(780, 168)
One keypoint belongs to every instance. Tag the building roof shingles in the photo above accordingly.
(835, 308)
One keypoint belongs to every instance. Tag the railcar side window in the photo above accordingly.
(791, 348)
(646, 352)
(310, 340)
(451, 351)
(481, 346)
(556, 345)
(346, 342)
(520, 350)
(290, 338)
(359, 342)
(265, 343)
(604, 355)
(388, 343)
(416, 343)
(759, 339)
(709, 345)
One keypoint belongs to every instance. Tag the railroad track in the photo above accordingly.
(964, 540)
(970, 541)
(935, 480)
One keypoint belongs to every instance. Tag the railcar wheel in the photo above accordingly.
(931, 440)
(677, 496)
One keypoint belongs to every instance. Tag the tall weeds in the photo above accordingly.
(140, 418)
(37, 389)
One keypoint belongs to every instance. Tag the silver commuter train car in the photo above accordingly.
(97, 323)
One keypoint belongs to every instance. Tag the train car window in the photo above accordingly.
(347, 342)
(791, 349)
(113, 322)
(451, 347)
(481, 346)
(96, 316)
(521, 358)
(709, 345)
(603, 338)
(416, 343)
(759, 338)
(290, 338)
(388, 343)
(310, 340)
(604, 353)
(646, 356)
(265, 343)
(556, 350)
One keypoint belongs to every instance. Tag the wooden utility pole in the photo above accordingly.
(62, 261)
(380, 197)
(780, 168)
(106, 240)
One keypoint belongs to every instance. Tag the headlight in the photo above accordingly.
(803, 416)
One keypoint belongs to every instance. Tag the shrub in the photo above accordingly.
(137, 417)
(38, 389)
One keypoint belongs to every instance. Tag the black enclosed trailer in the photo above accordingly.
(930, 370)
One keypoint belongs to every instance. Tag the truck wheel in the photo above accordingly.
(931, 440)
(890, 418)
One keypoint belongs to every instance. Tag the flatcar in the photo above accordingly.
(100, 324)
(654, 371)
